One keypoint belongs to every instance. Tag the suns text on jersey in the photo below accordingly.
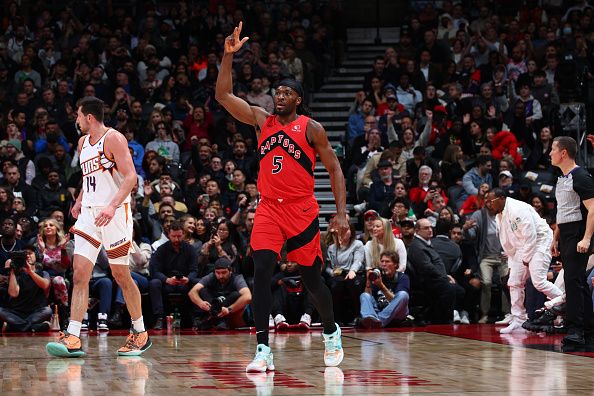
(90, 166)
(279, 141)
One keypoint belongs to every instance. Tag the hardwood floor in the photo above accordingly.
(472, 359)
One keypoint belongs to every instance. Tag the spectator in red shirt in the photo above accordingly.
(197, 125)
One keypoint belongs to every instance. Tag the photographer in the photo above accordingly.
(28, 289)
(290, 298)
(385, 299)
(220, 298)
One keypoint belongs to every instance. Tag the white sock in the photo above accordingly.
(138, 325)
(74, 328)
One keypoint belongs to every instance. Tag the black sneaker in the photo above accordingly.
(40, 327)
(116, 321)
(158, 324)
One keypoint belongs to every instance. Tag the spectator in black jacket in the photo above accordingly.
(174, 269)
(52, 195)
(430, 274)
(13, 180)
(381, 193)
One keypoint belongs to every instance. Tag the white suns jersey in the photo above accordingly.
(101, 179)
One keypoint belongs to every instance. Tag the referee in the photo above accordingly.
(575, 225)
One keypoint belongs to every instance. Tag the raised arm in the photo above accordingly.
(237, 107)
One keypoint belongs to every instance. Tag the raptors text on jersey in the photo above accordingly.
(287, 160)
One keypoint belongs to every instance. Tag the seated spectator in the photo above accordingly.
(430, 274)
(474, 202)
(163, 144)
(220, 298)
(407, 95)
(451, 254)
(356, 123)
(26, 167)
(51, 245)
(385, 299)
(381, 193)
(368, 218)
(478, 175)
(453, 167)
(223, 243)
(346, 263)
(174, 268)
(13, 180)
(188, 223)
(6, 203)
(53, 195)
(27, 308)
(383, 239)
(100, 286)
(139, 269)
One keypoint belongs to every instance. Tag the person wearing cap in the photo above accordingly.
(526, 239)
(368, 218)
(26, 166)
(288, 211)
(506, 182)
(232, 295)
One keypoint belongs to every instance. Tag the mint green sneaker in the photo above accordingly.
(262, 361)
(333, 354)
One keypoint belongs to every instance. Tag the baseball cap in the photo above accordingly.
(370, 213)
(505, 173)
(390, 96)
(408, 221)
(222, 263)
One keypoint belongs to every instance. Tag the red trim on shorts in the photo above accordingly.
(86, 236)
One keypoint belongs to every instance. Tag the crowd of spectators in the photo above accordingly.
(467, 100)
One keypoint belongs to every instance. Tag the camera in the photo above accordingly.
(216, 305)
(18, 260)
(374, 274)
(382, 301)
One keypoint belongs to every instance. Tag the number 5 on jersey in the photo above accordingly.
(277, 162)
(91, 183)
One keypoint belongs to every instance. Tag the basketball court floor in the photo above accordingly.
(471, 359)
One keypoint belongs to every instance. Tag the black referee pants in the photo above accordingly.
(578, 317)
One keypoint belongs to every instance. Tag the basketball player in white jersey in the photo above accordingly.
(103, 216)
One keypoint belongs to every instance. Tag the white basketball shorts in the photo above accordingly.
(116, 236)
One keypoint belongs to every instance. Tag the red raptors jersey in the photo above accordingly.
(287, 160)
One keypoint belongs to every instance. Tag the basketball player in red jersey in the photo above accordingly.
(288, 212)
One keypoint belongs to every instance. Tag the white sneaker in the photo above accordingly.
(464, 317)
(506, 320)
(84, 326)
(305, 320)
(360, 208)
(514, 325)
(333, 353)
(102, 322)
(263, 361)
(280, 322)
(456, 317)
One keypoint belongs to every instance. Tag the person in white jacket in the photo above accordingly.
(526, 240)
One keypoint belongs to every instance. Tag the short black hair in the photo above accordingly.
(498, 192)
(92, 105)
(483, 159)
(176, 225)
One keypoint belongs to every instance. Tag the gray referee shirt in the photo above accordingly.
(571, 190)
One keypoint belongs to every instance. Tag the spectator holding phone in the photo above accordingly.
(346, 259)
(173, 268)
